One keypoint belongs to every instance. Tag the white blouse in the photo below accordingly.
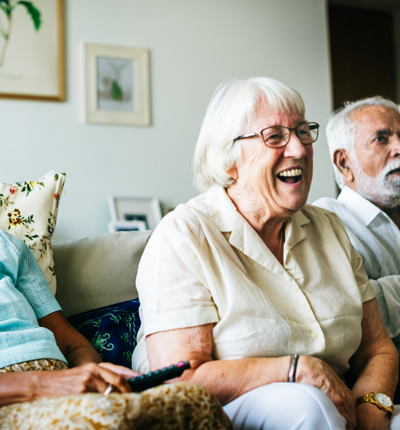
(205, 264)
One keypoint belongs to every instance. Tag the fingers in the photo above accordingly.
(117, 380)
(121, 370)
(313, 371)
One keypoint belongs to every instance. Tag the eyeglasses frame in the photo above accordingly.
(314, 125)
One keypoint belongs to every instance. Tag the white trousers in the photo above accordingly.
(285, 406)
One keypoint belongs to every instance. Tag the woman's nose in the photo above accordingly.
(294, 148)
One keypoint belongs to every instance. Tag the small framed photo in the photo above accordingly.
(139, 210)
(114, 226)
(32, 50)
(117, 85)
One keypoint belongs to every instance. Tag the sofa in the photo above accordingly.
(96, 289)
(98, 270)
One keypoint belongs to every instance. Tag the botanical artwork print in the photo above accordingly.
(8, 6)
(115, 84)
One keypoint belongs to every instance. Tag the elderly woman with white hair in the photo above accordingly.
(262, 293)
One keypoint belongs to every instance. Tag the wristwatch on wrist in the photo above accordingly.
(380, 400)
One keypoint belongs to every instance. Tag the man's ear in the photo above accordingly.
(343, 163)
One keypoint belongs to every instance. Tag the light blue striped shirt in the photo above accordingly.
(25, 297)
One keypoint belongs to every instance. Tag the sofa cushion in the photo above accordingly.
(28, 211)
(97, 270)
(111, 330)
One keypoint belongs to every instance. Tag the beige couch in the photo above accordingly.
(97, 270)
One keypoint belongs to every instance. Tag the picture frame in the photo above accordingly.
(129, 209)
(117, 85)
(115, 226)
(32, 50)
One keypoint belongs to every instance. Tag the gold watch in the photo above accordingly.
(380, 400)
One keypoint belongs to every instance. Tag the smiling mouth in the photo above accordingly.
(394, 172)
(291, 176)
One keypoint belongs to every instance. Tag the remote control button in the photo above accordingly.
(180, 364)
(164, 369)
(142, 376)
(156, 372)
(150, 374)
(171, 367)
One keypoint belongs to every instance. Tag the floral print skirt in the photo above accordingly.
(170, 406)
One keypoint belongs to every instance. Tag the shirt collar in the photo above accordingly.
(222, 211)
(358, 205)
(224, 214)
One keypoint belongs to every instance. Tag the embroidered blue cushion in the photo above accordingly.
(111, 330)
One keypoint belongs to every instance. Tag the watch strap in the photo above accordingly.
(370, 398)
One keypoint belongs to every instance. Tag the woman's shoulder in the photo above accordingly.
(320, 215)
(192, 213)
(9, 241)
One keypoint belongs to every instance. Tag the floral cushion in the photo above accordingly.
(111, 330)
(28, 211)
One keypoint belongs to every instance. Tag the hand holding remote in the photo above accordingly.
(152, 379)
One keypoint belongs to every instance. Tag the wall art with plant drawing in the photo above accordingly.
(8, 6)
(31, 49)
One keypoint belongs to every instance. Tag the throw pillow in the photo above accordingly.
(111, 330)
(28, 211)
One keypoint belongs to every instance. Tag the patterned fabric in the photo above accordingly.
(28, 210)
(32, 365)
(111, 330)
(167, 407)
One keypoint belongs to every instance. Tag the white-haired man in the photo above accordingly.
(364, 143)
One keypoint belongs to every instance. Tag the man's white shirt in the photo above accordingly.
(377, 239)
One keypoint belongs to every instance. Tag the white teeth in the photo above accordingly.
(293, 172)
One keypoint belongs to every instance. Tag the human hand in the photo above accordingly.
(88, 378)
(121, 370)
(315, 372)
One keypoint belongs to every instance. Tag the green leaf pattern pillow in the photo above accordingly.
(28, 211)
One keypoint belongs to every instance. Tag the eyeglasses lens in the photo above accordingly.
(278, 136)
(307, 133)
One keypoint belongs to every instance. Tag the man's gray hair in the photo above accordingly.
(341, 130)
(231, 108)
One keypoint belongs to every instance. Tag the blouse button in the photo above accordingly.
(314, 335)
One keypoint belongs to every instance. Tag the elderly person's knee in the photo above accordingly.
(283, 405)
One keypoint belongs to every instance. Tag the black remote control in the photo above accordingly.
(152, 379)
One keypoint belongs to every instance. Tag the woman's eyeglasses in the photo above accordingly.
(278, 136)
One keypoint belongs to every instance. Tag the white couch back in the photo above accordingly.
(97, 270)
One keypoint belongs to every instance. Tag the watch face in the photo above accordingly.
(383, 399)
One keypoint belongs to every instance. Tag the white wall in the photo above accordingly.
(194, 44)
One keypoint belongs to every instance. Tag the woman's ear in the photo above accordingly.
(343, 163)
(234, 173)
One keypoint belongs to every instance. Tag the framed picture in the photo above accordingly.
(117, 85)
(32, 50)
(128, 209)
(114, 226)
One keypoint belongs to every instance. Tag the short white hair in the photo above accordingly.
(341, 130)
(228, 114)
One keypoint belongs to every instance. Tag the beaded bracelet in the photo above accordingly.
(292, 368)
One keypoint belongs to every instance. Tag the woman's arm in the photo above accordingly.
(376, 366)
(75, 347)
(17, 387)
(228, 379)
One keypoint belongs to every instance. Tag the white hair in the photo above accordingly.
(341, 130)
(228, 114)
